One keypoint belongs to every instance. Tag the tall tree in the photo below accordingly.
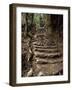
(48, 23)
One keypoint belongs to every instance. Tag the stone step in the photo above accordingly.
(49, 69)
(37, 42)
(44, 47)
(46, 54)
(44, 44)
(41, 34)
(51, 61)
(48, 50)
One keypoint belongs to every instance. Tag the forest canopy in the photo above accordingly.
(34, 21)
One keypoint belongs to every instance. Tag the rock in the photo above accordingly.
(30, 72)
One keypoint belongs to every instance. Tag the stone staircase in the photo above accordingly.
(48, 58)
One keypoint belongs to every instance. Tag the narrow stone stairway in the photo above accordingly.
(48, 58)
